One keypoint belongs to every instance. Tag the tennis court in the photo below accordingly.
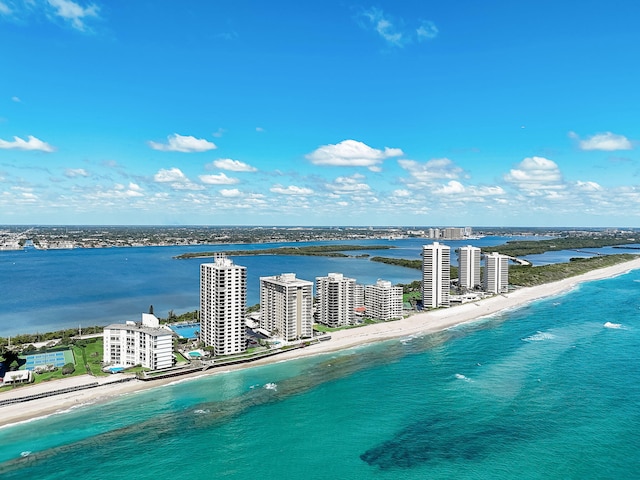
(57, 359)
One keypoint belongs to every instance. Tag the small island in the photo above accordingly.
(314, 250)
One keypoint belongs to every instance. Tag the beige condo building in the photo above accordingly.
(383, 301)
(336, 300)
(286, 306)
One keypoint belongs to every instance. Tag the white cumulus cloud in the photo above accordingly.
(73, 12)
(177, 179)
(606, 141)
(394, 31)
(535, 173)
(425, 174)
(351, 153)
(75, 172)
(427, 31)
(486, 191)
(384, 27)
(291, 190)
(32, 143)
(452, 188)
(588, 186)
(182, 143)
(233, 165)
(119, 191)
(351, 184)
(219, 179)
(230, 192)
(170, 175)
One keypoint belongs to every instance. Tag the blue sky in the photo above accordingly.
(483, 113)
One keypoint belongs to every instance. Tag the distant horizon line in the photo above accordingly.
(298, 226)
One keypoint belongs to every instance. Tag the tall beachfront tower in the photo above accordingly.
(436, 276)
(223, 296)
(496, 273)
(383, 300)
(336, 300)
(469, 267)
(286, 306)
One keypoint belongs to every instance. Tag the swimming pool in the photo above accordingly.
(186, 330)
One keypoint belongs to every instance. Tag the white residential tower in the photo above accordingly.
(223, 294)
(143, 343)
(436, 268)
(496, 273)
(469, 267)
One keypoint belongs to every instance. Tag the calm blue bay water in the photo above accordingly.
(562, 256)
(48, 290)
(544, 392)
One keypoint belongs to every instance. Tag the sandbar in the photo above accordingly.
(416, 324)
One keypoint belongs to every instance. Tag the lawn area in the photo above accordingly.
(319, 327)
(412, 295)
(180, 358)
(89, 353)
(84, 353)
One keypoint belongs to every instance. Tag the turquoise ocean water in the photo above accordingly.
(548, 391)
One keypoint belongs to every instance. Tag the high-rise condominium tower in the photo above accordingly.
(223, 294)
(336, 300)
(496, 273)
(286, 306)
(469, 267)
(436, 267)
(383, 300)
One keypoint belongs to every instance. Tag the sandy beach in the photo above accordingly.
(419, 323)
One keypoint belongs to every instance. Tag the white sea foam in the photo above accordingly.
(271, 386)
(612, 325)
(201, 411)
(183, 380)
(539, 337)
(460, 376)
(408, 339)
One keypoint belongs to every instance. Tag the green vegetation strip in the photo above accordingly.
(318, 250)
(519, 248)
(400, 262)
(415, 264)
(529, 276)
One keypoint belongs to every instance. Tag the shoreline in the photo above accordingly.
(419, 323)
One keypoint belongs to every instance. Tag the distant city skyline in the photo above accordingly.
(491, 113)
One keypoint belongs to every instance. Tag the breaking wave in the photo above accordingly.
(539, 337)
(612, 325)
